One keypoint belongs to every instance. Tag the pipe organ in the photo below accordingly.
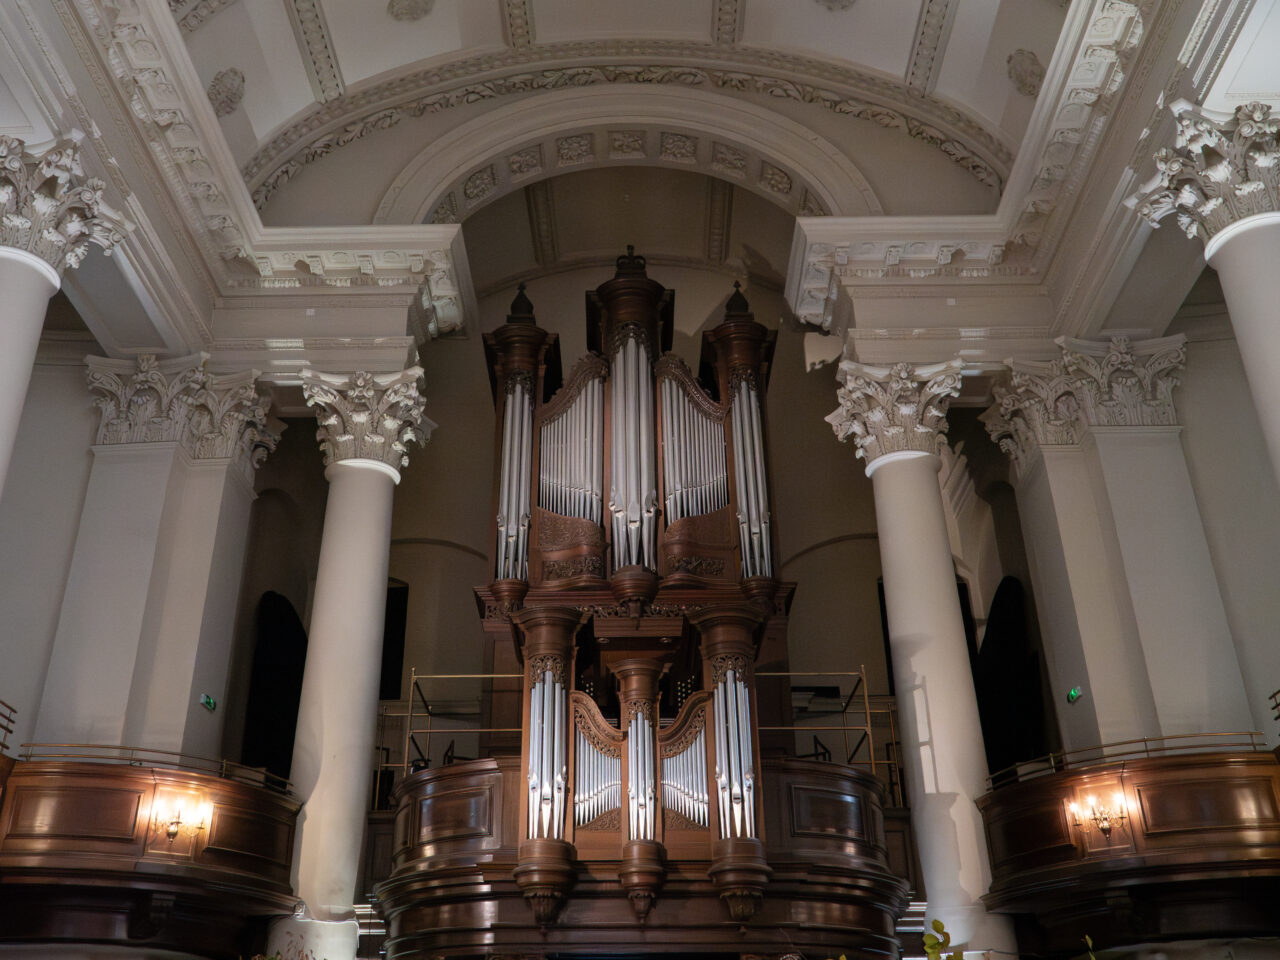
(634, 592)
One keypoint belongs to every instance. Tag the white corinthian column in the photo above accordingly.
(48, 215)
(1222, 181)
(897, 417)
(366, 423)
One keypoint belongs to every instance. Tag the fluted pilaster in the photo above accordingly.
(897, 409)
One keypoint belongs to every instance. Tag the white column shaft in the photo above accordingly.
(28, 283)
(1182, 624)
(942, 754)
(333, 752)
(1246, 263)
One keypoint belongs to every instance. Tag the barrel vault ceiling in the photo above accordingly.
(311, 180)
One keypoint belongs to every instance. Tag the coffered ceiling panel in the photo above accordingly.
(557, 20)
(870, 33)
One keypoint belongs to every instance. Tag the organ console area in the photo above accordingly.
(634, 591)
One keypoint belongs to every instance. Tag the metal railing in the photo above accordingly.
(1275, 706)
(146, 757)
(860, 751)
(420, 721)
(8, 718)
(1120, 751)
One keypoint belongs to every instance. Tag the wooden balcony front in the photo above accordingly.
(1138, 843)
(457, 835)
(96, 847)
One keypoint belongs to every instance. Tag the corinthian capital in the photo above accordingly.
(368, 416)
(1124, 383)
(150, 401)
(1216, 173)
(893, 409)
(1037, 407)
(49, 209)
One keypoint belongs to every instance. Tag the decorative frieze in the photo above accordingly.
(367, 416)
(894, 409)
(1216, 174)
(179, 401)
(48, 208)
(1120, 383)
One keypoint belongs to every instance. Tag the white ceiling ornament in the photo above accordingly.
(837, 6)
(718, 136)
(409, 10)
(1026, 71)
(226, 90)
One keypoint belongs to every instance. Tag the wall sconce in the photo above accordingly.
(1103, 817)
(177, 818)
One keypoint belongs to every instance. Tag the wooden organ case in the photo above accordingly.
(642, 810)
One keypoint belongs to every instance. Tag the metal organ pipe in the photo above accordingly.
(735, 770)
(752, 484)
(641, 789)
(547, 771)
(684, 781)
(633, 494)
(694, 473)
(597, 782)
(570, 473)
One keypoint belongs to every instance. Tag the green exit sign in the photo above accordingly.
(208, 702)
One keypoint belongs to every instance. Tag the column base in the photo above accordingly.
(302, 938)
(973, 929)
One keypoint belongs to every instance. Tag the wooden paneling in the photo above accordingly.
(1200, 830)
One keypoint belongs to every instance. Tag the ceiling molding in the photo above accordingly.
(512, 146)
(546, 67)
(321, 63)
(194, 14)
(517, 23)
(932, 32)
(727, 25)
(542, 223)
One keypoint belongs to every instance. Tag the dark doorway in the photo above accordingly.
(393, 628)
(275, 686)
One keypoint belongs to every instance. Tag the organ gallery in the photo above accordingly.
(634, 589)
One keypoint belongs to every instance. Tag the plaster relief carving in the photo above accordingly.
(320, 60)
(727, 27)
(480, 184)
(178, 401)
(626, 143)
(266, 172)
(894, 409)
(1216, 174)
(409, 10)
(1026, 71)
(226, 90)
(446, 210)
(578, 148)
(49, 209)
(925, 62)
(837, 6)
(526, 162)
(193, 16)
(773, 178)
(1114, 384)
(519, 22)
(728, 159)
(367, 416)
(678, 147)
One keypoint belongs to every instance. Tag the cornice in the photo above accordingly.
(171, 111)
(514, 71)
(1016, 243)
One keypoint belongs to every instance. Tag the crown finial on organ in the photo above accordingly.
(737, 307)
(521, 308)
(630, 265)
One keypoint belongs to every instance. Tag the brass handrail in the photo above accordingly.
(149, 757)
(412, 713)
(8, 717)
(1141, 748)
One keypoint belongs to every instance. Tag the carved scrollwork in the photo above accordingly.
(692, 718)
(589, 368)
(723, 663)
(542, 664)
(584, 566)
(599, 732)
(671, 367)
(696, 566)
(558, 532)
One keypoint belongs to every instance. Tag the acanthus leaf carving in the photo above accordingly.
(151, 401)
(368, 416)
(1216, 174)
(894, 409)
(49, 209)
